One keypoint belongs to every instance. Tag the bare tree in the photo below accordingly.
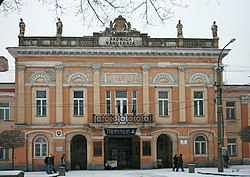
(150, 12)
(245, 134)
(12, 139)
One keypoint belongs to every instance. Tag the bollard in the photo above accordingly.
(62, 171)
(191, 168)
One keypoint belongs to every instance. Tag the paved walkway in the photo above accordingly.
(239, 170)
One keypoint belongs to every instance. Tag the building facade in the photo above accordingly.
(120, 99)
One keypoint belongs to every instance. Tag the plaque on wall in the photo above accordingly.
(120, 131)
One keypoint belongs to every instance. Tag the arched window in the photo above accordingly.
(200, 145)
(40, 147)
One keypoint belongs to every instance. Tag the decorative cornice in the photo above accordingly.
(117, 52)
(145, 69)
(59, 69)
(20, 68)
(96, 69)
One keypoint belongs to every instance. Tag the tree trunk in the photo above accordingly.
(13, 154)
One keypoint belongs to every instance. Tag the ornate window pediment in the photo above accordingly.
(40, 78)
(163, 78)
(199, 78)
(78, 78)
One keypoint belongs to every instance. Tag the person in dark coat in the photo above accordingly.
(63, 162)
(53, 163)
(226, 160)
(180, 163)
(48, 163)
(175, 158)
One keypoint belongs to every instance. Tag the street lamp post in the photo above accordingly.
(219, 108)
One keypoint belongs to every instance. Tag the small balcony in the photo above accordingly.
(123, 119)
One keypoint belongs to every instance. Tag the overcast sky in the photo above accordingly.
(232, 18)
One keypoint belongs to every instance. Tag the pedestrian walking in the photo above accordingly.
(48, 163)
(53, 163)
(63, 162)
(180, 163)
(175, 158)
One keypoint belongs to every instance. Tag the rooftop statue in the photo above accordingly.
(214, 29)
(59, 27)
(21, 27)
(179, 29)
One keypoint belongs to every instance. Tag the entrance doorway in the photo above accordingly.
(124, 150)
(164, 150)
(78, 153)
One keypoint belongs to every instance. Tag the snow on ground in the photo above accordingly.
(239, 170)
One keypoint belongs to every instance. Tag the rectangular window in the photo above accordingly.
(198, 103)
(134, 102)
(230, 110)
(108, 102)
(97, 149)
(121, 103)
(163, 103)
(232, 146)
(78, 103)
(41, 103)
(4, 111)
(4, 154)
(146, 148)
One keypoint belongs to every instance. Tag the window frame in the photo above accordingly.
(231, 110)
(5, 153)
(40, 146)
(108, 104)
(230, 145)
(162, 104)
(6, 111)
(200, 144)
(199, 104)
(80, 107)
(134, 102)
(42, 104)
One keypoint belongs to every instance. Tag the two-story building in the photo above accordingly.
(121, 99)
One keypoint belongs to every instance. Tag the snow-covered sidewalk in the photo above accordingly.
(239, 170)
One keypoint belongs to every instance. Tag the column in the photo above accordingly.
(145, 83)
(96, 77)
(59, 95)
(182, 96)
(20, 94)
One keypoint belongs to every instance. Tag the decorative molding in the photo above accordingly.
(121, 78)
(244, 99)
(181, 69)
(96, 69)
(35, 78)
(199, 77)
(125, 51)
(73, 77)
(20, 68)
(59, 69)
(168, 77)
(145, 69)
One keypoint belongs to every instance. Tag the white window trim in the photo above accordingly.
(79, 99)
(158, 99)
(34, 147)
(4, 111)
(106, 98)
(198, 103)
(41, 105)
(200, 142)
